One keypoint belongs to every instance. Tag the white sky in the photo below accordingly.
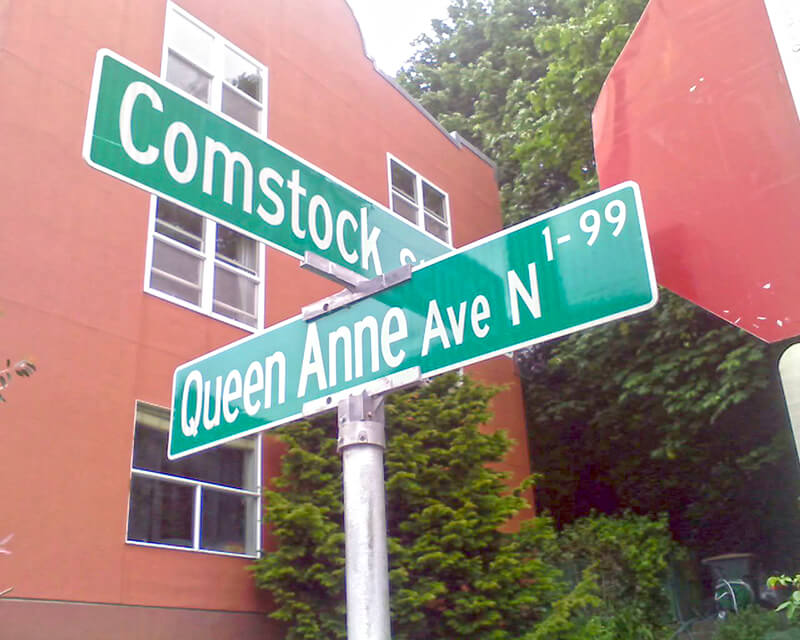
(389, 26)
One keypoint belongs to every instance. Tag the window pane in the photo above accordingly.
(234, 296)
(231, 465)
(240, 108)
(236, 249)
(161, 282)
(192, 41)
(436, 227)
(224, 522)
(405, 208)
(179, 224)
(188, 77)
(160, 512)
(433, 200)
(242, 74)
(176, 272)
(404, 181)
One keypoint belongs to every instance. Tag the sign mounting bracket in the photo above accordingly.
(358, 287)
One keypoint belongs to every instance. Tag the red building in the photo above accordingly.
(108, 289)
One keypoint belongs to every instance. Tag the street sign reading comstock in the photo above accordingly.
(142, 131)
(578, 266)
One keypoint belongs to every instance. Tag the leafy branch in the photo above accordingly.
(23, 369)
(792, 605)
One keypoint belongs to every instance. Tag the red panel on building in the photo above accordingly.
(698, 110)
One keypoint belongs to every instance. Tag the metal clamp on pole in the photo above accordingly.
(361, 421)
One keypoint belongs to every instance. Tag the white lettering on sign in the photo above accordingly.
(359, 328)
(233, 391)
(211, 421)
(369, 244)
(529, 295)
(322, 240)
(134, 90)
(389, 336)
(480, 313)
(346, 350)
(275, 217)
(297, 192)
(343, 335)
(345, 217)
(191, 421)
(227, 394)
(231, 158)
(435, 327)
(407, 257)
(229, 174)
(253, 383)
(185, 175)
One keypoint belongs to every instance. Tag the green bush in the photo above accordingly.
(755, 623)
(622, 562)
(455, 571)
(630, 552)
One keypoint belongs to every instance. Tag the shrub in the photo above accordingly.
(755, 623)
(455, 571)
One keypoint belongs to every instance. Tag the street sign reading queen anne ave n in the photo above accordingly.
(150, 135)
(576, 267)
(579, 266)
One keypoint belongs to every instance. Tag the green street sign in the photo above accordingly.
(167, 142)
(579, 266)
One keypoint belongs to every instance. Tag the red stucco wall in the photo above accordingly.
(72, 267)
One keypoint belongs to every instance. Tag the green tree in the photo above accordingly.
(519, 79)
(669, 411)
(672, 411)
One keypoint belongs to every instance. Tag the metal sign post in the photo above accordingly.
(362, 440)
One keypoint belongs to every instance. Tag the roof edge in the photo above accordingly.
(453, 136)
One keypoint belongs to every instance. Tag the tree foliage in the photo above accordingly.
(672, 411)
(519, 80)
(455, 570)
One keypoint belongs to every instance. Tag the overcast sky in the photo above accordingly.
(389, 26)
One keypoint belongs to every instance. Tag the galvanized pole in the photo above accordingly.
(362, 440)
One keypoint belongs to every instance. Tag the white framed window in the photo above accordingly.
(418, 200)
(191, 260)
(204, 265)
(209, 501)
(204, 64)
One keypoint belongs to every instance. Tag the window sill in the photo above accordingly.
(208, 314)
(168, 547)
